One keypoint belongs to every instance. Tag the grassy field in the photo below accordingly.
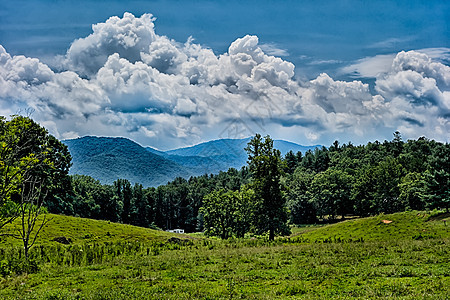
(408, 258)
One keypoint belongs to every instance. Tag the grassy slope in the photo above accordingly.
(82, 231)
(406, 225)
(391, 262)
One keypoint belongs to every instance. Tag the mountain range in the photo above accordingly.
(110, 158)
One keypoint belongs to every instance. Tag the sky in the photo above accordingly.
(172, 73)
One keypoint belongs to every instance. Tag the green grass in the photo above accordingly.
(81, 231)
(390, 262)
(405, 225)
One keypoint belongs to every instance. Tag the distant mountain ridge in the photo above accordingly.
(227, 153)
(108, 159)
(236, 146)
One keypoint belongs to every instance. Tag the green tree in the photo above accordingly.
(27, 149)
(266, 167)
(87, 197)
(178, 201)
(388, 174)
(227, 213)
(140, 206)
(415, 155)
(363, 191)
(150, 196)
(308, 160)
(299, 198)
(124, 194)
(411, 190)
(291, 162)
(437, 178)
(219, 213)
(244, 210)
(321, 159)
(376, 188)
(32, 166)
(331, 193)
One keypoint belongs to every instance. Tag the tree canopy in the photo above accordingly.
(28, 151)
(266, 168)
(34, 169)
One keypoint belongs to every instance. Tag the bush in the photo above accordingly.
(4, 268)
(21, 266)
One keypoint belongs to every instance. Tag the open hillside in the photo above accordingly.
(398, 226)
(79, 231)
(367, 258)
(411, 225)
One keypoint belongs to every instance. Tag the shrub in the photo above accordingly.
(22, 266)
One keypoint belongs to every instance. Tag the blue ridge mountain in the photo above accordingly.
(108, 159)
(226, 153)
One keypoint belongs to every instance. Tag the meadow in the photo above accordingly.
(407, 257)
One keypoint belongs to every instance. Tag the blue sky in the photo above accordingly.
(317, 36)
(329, 43)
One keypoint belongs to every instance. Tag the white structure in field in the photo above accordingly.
(176, 230)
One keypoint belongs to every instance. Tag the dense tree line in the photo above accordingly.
(326, 183)
(323, 184)
(369, 179)
(170, 206)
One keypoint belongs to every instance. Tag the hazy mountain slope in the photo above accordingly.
(108, 159)
(230, 147)
(220, 155)
(157, 152)
(200, 165)
(285, 147)
(234, 147)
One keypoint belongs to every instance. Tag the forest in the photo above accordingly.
(263, 197)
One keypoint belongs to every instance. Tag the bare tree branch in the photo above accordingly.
(31, 206)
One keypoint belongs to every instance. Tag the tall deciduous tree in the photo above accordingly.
(228, 213)
(219, 213)
(32, 165)
(331, 193)
(301, 207)
(266, 167)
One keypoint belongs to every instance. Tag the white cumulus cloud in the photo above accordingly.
(126, 80)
